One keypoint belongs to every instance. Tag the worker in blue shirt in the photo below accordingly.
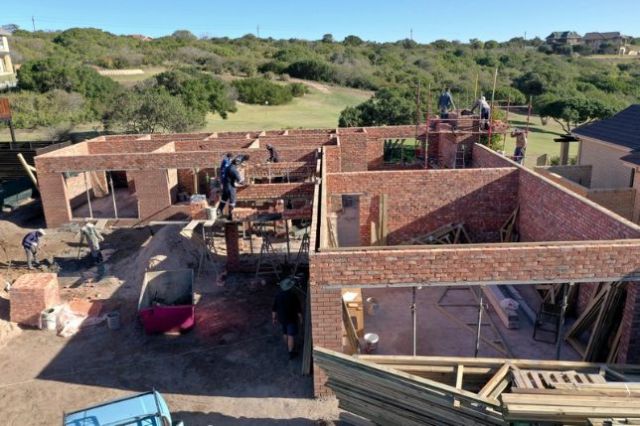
(445, 103)
(226, 162)
(30, 244)
(232, 179)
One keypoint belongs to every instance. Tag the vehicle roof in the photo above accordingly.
(117, 411)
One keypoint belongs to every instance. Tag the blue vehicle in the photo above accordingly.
(144, 409)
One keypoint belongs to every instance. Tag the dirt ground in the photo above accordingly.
(231, 369)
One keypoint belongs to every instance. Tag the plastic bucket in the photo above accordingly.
(113, 320)
(211, 213)
(372, 306)
(48, 319)
(371, 342)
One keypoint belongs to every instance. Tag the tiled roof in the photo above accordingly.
(622, 129)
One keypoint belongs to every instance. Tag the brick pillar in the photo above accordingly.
(152, 190)
(326, 328)
(629, 352)
(53, 193)
(231, 239)
(636, 205)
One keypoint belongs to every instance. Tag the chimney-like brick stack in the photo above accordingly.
(30, 295)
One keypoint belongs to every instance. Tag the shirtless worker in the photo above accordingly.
(521, 145)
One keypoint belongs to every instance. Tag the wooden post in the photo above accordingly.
(29, 169)
(563, 311)
(13, 131)
(477, 345)
(414, 322)
(564, 153)
(113, 197)
(86, 188)
(195, 181)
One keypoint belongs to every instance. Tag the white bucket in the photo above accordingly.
(371, 342)
(48, 319)
(113, 320)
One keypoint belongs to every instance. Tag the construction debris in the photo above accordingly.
(392, 390)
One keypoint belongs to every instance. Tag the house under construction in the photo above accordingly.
(454, 214)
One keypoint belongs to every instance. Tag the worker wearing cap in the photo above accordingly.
(274, 157)
(485, 111)
(286, 311)
(232, 179)
(94, 238)
(521, 145)
(445, 103)
(30, 244)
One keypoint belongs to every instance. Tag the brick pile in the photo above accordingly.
(30, 295)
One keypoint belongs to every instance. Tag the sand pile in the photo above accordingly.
(167, 249)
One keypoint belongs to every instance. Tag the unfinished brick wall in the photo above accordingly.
(326, 327)
(418, 202)
(549, 212)
(53, 194)
(332, 159)
(276, 191)
(153, 191)
(353, 152)
(484, 157)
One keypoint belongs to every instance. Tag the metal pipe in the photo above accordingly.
(477, 345)
(563, 311)
(414, 319)
(286, 230)
(113, 196)
(86, 187)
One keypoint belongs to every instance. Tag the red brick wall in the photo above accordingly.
(418, 202)
(549, 212)
(375, 153)
(152, 190)
(485, 157)
(276, 190)
(629, 351)
(332, 159)
(53, 194)
(326, 327)
(353, 152)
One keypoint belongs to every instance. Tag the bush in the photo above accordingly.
(31, 109)
(312, 70)
(262, 91)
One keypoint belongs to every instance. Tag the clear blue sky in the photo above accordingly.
(370, 20)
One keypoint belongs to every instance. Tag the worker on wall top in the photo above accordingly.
(521, 145)
(445, 103)
(274, 157)
(485, 112)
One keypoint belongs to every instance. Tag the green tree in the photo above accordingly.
(261, 91)
(574, 111)
(352, 40)
(387, 107)
(184, 35)
(327, 38)
(152, 110)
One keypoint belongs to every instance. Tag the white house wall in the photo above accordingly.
(608, 170)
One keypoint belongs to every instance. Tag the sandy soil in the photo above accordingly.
(231, 369)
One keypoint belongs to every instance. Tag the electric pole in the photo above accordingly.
(411, 34)
(258, 31)
(33, 22)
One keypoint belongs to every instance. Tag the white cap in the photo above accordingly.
(90, 225)
(483, 98)
(41, 232)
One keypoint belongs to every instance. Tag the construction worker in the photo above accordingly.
(94, 238)
(445, 103)
(286, 311)
(521, 145)
(274, 157)
(232, 179)
(30, 244)
(485, 112)
(226, 162)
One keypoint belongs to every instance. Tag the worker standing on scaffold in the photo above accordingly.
(445, 103)
(485, 112)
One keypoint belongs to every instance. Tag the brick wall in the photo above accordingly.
(549, 212)
(53, 194)
(353, 152)
(418, 202)
(620, 201)
(276, 190)
(326, 327)
(332, 159)
(486, 158)
(153, 191)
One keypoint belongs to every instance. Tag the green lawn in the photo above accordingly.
(540, 138)
(319, 108)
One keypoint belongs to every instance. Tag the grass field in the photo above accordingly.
(319, 108)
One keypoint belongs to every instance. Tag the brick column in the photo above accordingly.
(231, 239)
(636, 205)
(152, 190)
(326, 328)
(53, 194)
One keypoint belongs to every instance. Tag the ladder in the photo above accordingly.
(267, 263)
(460, 162)
(302, 253)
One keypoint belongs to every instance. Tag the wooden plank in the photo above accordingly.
(488, 388)
(510, 319)
(459, 374)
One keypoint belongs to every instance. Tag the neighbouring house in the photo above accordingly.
(564, 38)
(608, 159)
(6, 67)
(614, 38)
